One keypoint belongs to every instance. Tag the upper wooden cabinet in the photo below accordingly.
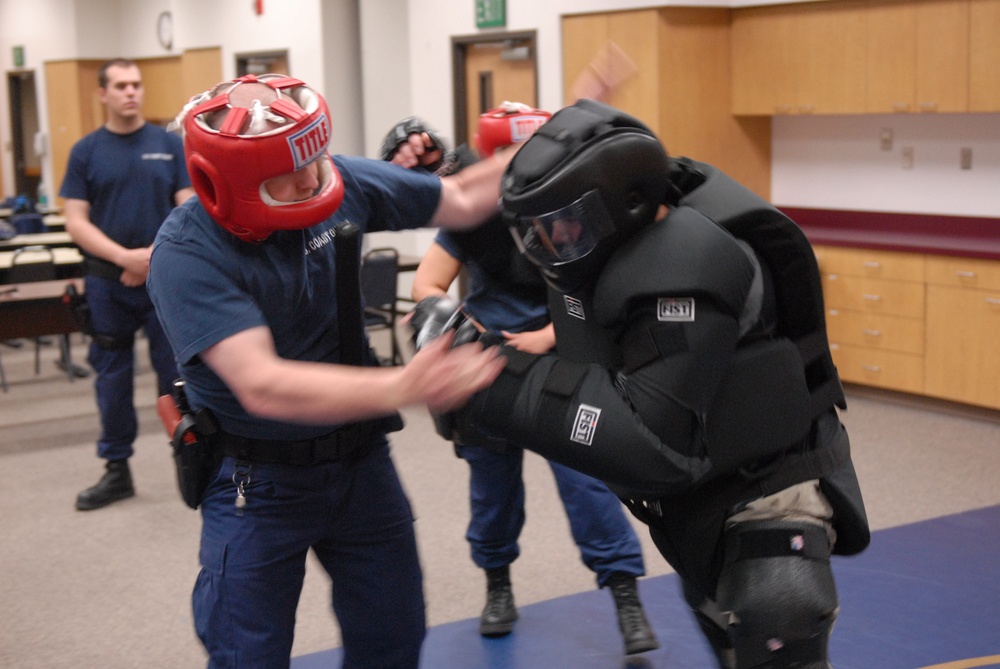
(984, 56)
(680, 86)
(867, 56)
(799, 59)
(918, 56)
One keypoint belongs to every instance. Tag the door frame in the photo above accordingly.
(24, 182)
(460, 45)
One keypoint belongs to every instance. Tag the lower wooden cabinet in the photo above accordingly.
(917, 323)
(880, 368)
(963, 331)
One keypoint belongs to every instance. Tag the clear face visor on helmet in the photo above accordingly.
(565, 235)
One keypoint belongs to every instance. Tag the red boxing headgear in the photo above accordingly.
(246, 131)
(510, 123)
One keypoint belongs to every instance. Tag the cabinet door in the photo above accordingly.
(984, 62)
(763, 56)
(963, 350)
(829, 58)
(803, 59)
(586, 37)
(892, 57)
(879, 368)
(875, 296)
(871, 263)
(918, 56)
(943, 55)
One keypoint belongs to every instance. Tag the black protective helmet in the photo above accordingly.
(581, 186)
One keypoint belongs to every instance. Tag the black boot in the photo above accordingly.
(636, 632)
(116, 484)
(499, 614)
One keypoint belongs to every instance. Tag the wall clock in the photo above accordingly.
(165, 29)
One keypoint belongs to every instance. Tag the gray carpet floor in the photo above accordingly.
(111, 588)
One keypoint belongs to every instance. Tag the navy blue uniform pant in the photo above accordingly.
(119, 311)
(354, 516)
(600, 528)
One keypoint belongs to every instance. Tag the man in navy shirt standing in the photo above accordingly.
(121, 182)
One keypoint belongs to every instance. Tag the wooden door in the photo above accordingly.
(497, 71)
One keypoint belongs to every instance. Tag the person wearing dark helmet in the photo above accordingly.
(693, 376)
(245, 279)
(507, 297)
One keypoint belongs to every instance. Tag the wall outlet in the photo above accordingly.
(885, 139)
(965, 158)
(907, 157)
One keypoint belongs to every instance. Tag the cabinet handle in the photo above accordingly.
(900, 106)
(928, 106)
(965, 274)
(871, 368)
(993, 300)
(807, 109)
(872, 264)
(872, 333)
(873, 298)
(783, 109)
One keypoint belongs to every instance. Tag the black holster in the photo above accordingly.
(192, 439)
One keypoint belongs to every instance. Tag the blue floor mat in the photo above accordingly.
(923, 596)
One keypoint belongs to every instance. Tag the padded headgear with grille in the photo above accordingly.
(249, 130)
(582, 185)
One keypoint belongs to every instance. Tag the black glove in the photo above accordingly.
(432, 317)
(411, 125)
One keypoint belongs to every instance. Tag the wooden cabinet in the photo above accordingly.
(963, 330)
(918, 56)
(680, 87)
(942, 55)
(799, 59)
(866, 56)
(984, 56)
(919, 323)
(875, 315)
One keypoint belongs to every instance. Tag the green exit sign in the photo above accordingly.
(491, 13)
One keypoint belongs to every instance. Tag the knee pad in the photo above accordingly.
(777, 589)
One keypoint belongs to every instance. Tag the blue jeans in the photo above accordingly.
(119, 311)
(600, 528)
(356, 518)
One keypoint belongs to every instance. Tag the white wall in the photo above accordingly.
(835, 162)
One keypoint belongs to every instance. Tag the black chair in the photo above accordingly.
(379, 274)
(25, 267)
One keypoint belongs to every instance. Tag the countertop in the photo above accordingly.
(964, 236)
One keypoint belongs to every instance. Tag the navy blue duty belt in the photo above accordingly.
(331, 447)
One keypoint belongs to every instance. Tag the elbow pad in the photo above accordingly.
(573, 414)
